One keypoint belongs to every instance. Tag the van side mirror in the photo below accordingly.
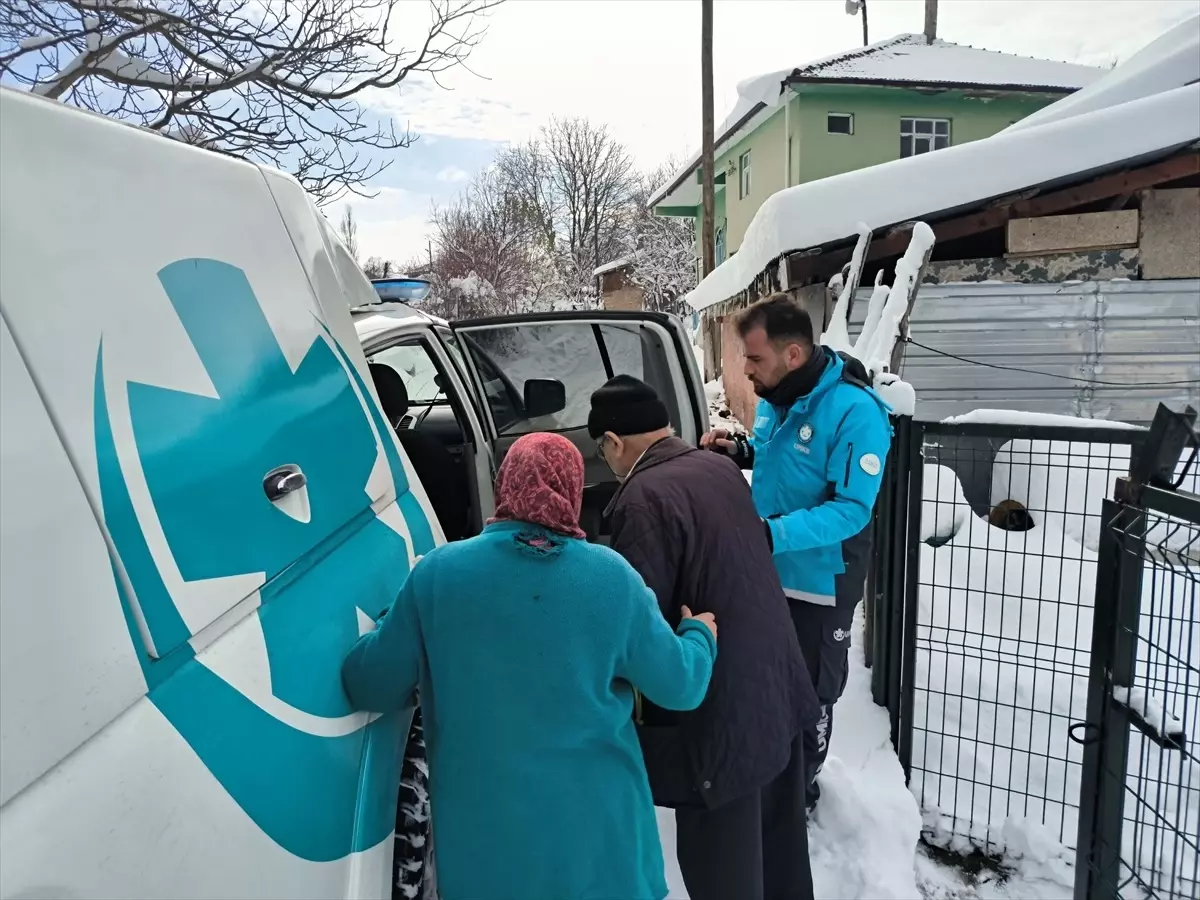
(544, 396)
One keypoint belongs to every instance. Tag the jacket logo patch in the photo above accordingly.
(805, 433)
(840, 634)
(870, 464)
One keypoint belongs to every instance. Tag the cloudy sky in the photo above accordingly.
(635, 66)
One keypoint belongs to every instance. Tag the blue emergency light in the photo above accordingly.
(401, 290)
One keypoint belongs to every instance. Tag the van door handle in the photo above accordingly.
(278, 483)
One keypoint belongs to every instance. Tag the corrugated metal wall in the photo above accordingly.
(1142, 335)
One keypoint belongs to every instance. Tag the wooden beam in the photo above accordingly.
(809, 265)
(1128, 182)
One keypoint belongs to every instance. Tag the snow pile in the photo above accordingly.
(1170, 61)
(1151, 710)
(1020, 417)
(944, 509)
(958, 176)
(1062, 484)
(865, 833)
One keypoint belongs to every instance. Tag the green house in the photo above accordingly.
(895, 98)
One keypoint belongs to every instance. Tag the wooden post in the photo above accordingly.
(930, 21)
(709, 211)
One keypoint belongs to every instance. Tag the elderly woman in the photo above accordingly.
(527, 643)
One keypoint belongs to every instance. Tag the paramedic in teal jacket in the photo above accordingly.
(527, 643)
(817, 450)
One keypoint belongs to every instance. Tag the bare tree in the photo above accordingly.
(277, 82)
(378, 267)
(490, 252)
(661, 250)
(348, 229)
(575, 183)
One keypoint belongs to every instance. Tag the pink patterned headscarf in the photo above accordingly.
(541, 481)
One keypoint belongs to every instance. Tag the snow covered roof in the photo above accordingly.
(1170, 61)
(900, 60)
(909, 59)
(959, 177)
(611, 266)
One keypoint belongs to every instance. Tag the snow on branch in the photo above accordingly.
(278, 83)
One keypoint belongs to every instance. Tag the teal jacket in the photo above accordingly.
(526, 657)
(817, 471)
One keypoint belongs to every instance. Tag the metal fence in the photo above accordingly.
(1139, 831)
(987, 610)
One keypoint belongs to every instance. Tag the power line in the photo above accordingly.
(988, 365)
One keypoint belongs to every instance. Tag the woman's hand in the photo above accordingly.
(709, 620)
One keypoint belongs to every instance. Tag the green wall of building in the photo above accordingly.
(877, 114)
(817, 154)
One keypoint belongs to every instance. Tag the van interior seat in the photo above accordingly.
(436, 468)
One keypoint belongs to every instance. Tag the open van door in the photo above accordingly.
(537, 372)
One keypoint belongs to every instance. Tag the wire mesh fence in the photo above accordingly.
(1145, 827)
(1037, 643)
(1001, 622)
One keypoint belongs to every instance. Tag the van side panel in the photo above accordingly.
(61, 628)
(154, 293)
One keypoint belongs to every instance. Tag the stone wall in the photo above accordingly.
(1170, 239)
(1087, 265)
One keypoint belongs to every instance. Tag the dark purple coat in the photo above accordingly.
(685, 520)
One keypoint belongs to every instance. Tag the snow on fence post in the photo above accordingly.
(879, 346)
(837, 334)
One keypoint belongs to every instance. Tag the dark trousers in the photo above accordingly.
(824, 633)
(752, 848)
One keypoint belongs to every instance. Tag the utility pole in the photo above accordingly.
(853, 8)
(709, 211)
(930, 21)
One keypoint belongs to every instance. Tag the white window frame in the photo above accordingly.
(908, 129)
(745, 172)
(830, 115)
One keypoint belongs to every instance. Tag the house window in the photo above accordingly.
(744, 175)
(840, 123)
(923, 135)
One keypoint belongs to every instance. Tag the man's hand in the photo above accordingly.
(718, 439)
(709, 620)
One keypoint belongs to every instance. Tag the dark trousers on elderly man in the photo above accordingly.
(751, 848)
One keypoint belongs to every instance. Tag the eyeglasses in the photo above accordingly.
(600, 447)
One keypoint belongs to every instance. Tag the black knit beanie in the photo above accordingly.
(624, 406)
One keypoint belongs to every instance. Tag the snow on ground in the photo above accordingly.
(1004, 637)
(864, 835)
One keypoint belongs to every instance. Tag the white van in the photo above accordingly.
(203, 504)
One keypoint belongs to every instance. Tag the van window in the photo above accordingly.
(416, 369)
(581, 355)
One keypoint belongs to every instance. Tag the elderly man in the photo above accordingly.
(817, 449)
(733, 769)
